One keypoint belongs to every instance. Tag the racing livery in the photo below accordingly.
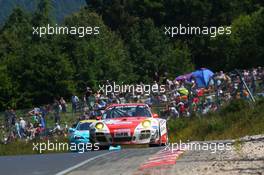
(129, 124)
(81, 133)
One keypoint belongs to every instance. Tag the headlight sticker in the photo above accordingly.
(146, 123)
(99, 126)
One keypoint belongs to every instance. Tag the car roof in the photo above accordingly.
(87, 121)
(127, 104)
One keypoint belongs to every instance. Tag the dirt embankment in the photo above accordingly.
(244, 156)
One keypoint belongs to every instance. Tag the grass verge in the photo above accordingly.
(237, 119)
(20, 147)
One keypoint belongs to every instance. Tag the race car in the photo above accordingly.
(129, 124)
(81, 133)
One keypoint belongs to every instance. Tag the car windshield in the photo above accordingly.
(83, 126)
(127, 111)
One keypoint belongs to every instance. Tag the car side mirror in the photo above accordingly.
(99, 118)
(155, 115)
(71, 130)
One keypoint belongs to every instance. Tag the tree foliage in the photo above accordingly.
(130, 48)
(149, 48)
(244, 48)
(95, 58)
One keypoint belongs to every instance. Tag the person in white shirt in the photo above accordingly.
(22, 126)
(74, 101)
(174, 112)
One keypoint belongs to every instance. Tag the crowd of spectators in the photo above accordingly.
(180, 99)
(184, 98)
(34, 124)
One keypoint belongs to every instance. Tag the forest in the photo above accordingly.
(131, 47)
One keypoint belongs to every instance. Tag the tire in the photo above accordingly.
(167, 139)
(167, 136)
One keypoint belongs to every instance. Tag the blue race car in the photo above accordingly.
(81, 133)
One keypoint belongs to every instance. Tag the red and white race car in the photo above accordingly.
(129, 124)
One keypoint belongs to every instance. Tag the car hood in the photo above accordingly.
(84, 133)
(124, 122)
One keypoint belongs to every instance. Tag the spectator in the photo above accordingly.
(63, 105)
(174, 112)
(22, 127)
(253, 78)
(57, 129)
(75, 101)
(57, 110)
(8, 120)
(18, 129)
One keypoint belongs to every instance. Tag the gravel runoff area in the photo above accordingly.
(243, 156)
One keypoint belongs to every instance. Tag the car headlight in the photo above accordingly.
(99, 126)
(146, 123)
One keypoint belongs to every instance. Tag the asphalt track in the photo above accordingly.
(125, 161)
(248, 159)
(42, 164)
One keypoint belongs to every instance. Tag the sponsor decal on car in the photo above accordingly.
(122, 133)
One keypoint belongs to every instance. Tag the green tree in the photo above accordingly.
(43, 14)
(151, 52)
(41, 73)
(244, 47)
(34, 71)
(6, 90)
(14, 35)
(95, 58)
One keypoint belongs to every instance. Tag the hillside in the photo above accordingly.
(235, 120)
